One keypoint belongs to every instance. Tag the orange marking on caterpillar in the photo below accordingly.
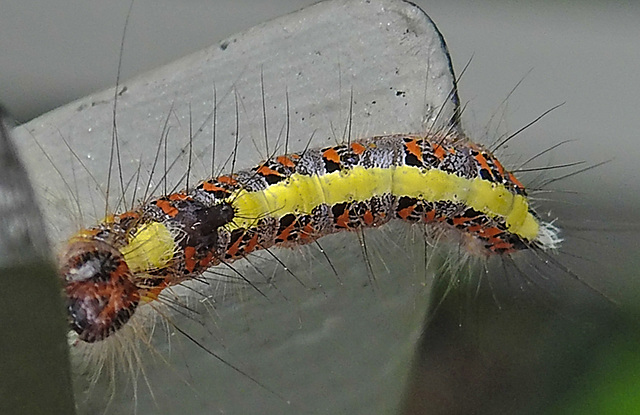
(253, 243)
(129, 215)
(227, 180)
(189, 258)
(483, 163)
(515, 181)
(285, 161)
(368, 218)
(499, 166)
(267, 171)
(235, 247)
(430, 216)
(460, 220)
(210, 187)
(413, 148)
(475, 228)
(491, 232)
(331, 154)
(342, 221)
(286, 232)
(166, 207)
(308, 231)
(179, 196)
(357, 148)
(438, 151)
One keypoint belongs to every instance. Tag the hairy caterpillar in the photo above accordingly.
(411, 129)
(294, 199)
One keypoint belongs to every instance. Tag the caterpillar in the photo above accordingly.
(294, 199)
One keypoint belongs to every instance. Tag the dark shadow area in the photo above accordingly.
(503, 350)
(34, 368)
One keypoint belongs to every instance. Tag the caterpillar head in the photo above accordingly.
(101, 296)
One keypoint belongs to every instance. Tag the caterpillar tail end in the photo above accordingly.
(548, 238)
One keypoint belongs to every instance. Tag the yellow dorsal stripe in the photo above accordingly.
(152, 247)
(300, 194)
